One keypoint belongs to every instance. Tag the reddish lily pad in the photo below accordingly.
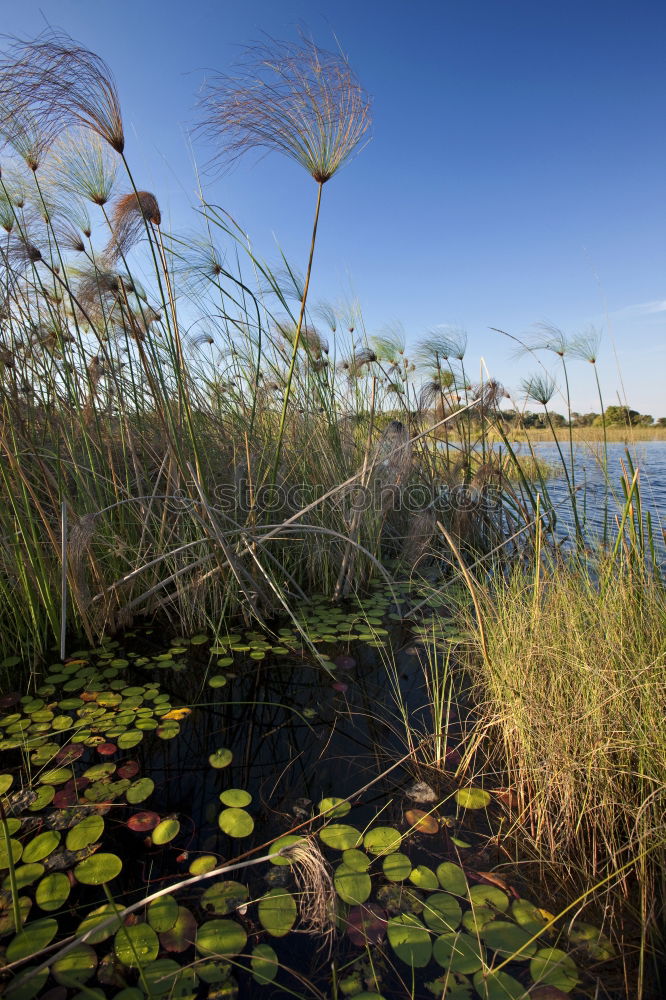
(366, 925)
(143, 822)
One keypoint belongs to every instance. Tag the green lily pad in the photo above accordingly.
(36, 936)
(52, 891)
(98, 869)
(277, 912)
(506, 939)
(410, 940)
(86, 832)
(221, 758)
(221, 937)
(358, 861)
(165, 831)
(204, 863)
(334, 807)
(441, 912)
(489, 895)
(264, 964)
(166, 976)
(29, 987)
(96, 917)
(135, 945)
(528, 916)
(140, 790)
(130, 739)
(340, 837)
(7, 925)
(162, 913)
(476, 919)
(396, 867)
(224, 897)
(423, 877)
(553, 967)
(452, 878)
(236, 823)
(6, 781)
(41, 846)
(45, 795)
(280, 844)
(25, 875)
(472, 798)
(99, 771)
(597, 944)
(15, 849)
(382, 840)
(458, 952)
(498, 986)
(76, 967)
(235, 798)
(353, 887)
(56, 776)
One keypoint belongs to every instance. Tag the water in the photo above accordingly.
(600, 489)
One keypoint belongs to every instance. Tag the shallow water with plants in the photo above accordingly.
(251, 817)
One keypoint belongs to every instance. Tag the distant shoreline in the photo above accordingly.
(626, 435)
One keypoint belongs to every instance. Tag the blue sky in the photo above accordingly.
(516, 172)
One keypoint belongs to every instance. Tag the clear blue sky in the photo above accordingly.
(516, 172)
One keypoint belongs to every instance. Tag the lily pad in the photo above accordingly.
(41, 846)
(472, 798)
(396, 867)
(98, 869)
(222, 898)
(162, 913)
(366, 925)
(76, 967)
(423, 877)
(340, 837)
(334, 807)
(452, 878)
(140, 790)
(458, 952)
(236, 823)
(165, 831)
(264, 964)
(553, 967)
(86, 832)
(221, 937)
(498, 986)
(135, 945)
(36, 936)
(143, 822)
(357, 860)
(221, 758)
(508, 940)
(422, 822)
(441, 912)
(94, 919)
(179, 937)
(528, 916)
(277, 912)
(236, 798)
(52, 891)
(352, 886)
(489, 895)
(382, 840)
(410, 940)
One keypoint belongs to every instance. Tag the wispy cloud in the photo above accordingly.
(641, 309)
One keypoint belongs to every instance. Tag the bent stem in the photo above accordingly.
(297, 337)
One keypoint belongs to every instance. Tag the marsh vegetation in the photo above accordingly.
(242, 542)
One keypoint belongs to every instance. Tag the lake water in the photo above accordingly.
(598, 487)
